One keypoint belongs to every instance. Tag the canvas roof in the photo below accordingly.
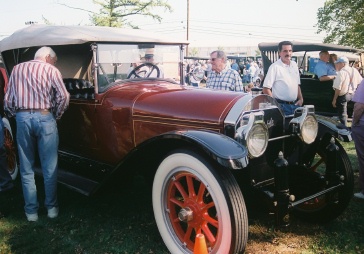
(46, 35)
(306, 46)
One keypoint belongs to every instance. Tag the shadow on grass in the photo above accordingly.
(120, 220)
(116, 221)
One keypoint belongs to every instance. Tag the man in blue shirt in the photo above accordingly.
(324, 70)
(235, 65)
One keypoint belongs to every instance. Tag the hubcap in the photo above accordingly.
(185, 214)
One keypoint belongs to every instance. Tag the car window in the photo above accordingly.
(136, 61)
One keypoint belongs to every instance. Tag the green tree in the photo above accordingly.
(343, 22)
(115, 13)
(193, 52)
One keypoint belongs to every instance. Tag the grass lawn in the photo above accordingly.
(121, 221)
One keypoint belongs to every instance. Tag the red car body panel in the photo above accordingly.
(136, 112)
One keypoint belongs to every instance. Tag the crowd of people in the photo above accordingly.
(345, 79)
(250, 71)
(348, 86)
(37, 111)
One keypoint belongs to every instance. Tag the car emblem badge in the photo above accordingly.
(270, 123)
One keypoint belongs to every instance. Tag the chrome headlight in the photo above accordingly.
(257, 140)
(305, 124)
(309, 129)
(253, 133)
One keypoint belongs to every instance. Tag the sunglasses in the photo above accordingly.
(213, 59)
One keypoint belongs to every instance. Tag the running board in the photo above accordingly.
(298, 202)
(75, 182)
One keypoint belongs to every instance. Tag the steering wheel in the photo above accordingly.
(151, 67)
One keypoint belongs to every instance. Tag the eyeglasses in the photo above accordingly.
(213, 59)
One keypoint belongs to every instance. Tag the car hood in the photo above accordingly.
(173, 102)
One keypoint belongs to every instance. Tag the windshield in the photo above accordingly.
(136, 61)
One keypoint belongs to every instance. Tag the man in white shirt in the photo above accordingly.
(252, 70)
(282, 81)
(345, 84)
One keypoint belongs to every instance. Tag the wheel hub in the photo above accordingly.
(185, 214)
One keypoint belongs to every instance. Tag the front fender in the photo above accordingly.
(223, 149)
(328, 125)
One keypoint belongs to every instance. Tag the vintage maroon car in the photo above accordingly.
(202, 149)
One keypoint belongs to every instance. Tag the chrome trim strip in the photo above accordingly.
(241, 105)
(237, 109)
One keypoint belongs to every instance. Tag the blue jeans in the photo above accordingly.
(37, 131)
(6, 181)
(288, 109)
(246, 79)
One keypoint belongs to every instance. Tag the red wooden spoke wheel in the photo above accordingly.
(192, 210)
(192, 195)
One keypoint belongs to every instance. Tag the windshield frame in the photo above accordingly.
(112, 62)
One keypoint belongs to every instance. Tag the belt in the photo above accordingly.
(34, 110)
(286, 102)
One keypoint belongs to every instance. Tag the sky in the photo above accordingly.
(211, 22)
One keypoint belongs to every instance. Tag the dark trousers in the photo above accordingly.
(342, 108)
(358, 136)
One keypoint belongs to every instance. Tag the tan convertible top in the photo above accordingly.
(306, 46)
(41, 35)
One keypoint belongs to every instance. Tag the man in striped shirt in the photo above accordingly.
(222, 77)
(37, 97)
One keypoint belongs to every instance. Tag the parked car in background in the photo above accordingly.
(315, 92)
(12, 164)
(204, 151)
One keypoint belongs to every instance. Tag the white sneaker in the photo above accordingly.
(359, 195)
(53, 212)
(32, 217)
